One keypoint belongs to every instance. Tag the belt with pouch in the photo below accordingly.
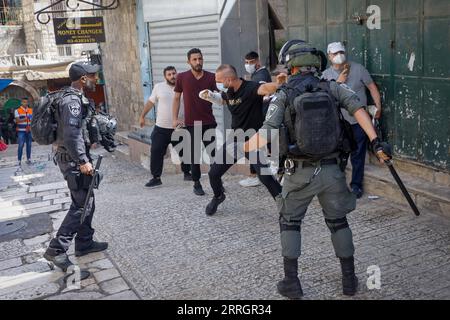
(290, 165)
(63, 157)
(305, 163)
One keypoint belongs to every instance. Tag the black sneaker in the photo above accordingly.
(198, 189)
(187, 177)
(357, 192)
(211, 208)
(155, 182)
(95, 247)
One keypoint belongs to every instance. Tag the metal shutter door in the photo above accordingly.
(170, 40)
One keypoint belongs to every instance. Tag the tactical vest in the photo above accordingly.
(76, 95)
(314, 127)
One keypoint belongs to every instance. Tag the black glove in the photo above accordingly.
(382, 150)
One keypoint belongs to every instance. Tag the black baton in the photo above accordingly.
(91, 189)
(402, 187)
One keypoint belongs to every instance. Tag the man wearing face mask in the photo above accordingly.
(261, 75)
(253, 66)
(357, 78)
(244, 100)
(73, 159)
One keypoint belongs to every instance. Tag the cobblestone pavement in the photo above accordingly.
(163, 246)
(35, 194)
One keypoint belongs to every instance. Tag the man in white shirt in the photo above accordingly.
(162, 96)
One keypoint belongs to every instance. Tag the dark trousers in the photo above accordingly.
(219, 168)
(196, 149)
(24, 138)
(71, 226)
(161, 138)
(358, 157)
(269, 149)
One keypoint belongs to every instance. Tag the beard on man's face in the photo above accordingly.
(90, 85)
(171, 81)
(198, 67)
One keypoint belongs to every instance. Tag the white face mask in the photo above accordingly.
(250, 68)
(339, 59)
(221, 87)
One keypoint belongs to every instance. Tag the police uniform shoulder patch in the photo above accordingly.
(75, 109)
(271, 111)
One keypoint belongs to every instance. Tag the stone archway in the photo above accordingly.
(27, 87)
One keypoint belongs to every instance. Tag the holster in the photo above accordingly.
(74, 180)
(78, 181)
(343, 160)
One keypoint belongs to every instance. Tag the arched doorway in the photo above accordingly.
(27, 87)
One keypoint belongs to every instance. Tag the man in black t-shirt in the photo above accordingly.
(244, 100)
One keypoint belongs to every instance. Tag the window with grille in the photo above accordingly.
(64, 51)
(59, 7)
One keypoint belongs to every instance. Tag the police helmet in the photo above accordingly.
(298, 53)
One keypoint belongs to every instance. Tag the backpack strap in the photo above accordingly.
(346, 126)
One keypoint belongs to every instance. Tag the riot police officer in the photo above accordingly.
(322, 177)
(73, 159)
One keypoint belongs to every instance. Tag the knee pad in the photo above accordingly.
(337, 224)
(284, 227)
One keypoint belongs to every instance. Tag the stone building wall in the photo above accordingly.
(42, 36)
(121, 64)
(12, 40)
(281, 8)
(28, 25)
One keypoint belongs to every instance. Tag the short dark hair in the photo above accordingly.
(169, 68)
(193, 51)
(25, 98)
(228, 70)
(251, 56)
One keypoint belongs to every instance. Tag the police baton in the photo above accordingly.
(93, 185)
(402, 187)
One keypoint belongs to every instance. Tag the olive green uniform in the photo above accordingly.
(326, 181)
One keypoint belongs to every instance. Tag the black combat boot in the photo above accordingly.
(94, 247)
(349, 279)
(62, 261)
(290, 286)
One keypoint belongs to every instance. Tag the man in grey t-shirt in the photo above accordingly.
(357, 78)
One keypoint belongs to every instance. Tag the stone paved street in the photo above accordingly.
(36, 196)
(163, 246)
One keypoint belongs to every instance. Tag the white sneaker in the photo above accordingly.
(250, 182)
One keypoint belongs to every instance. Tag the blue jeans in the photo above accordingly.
(25, 138)
(358, 157)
